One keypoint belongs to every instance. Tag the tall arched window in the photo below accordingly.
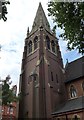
(73, 92)
(48, 42)
(53, 46)
(30, 47)
(35, 42)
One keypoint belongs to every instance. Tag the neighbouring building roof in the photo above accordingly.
(74, 69)
(70, 105)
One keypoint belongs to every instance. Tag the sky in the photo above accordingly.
(21, 14)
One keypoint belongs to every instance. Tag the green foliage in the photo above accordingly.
(69, 16)
(7, 94)
(4, 10)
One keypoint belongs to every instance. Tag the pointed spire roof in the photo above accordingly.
(40, 19)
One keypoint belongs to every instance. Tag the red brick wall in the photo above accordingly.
(6, 113)
(78, 86)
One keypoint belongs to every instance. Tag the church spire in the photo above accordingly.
(40, 19)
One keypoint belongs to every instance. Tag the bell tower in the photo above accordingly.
(42, 74)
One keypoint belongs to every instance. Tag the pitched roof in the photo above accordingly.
(75, 69)
(40, 19)
(70, 105)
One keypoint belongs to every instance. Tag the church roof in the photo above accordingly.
(75, 69)
(40, 19)
(70, 105)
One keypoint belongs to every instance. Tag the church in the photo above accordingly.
(48, 90)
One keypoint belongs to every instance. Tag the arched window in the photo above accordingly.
(53, 46)
(35, 42)
(30, 47)
(73, 92)
(76, 117)
(48, 42)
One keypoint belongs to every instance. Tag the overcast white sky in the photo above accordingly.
(21, 14)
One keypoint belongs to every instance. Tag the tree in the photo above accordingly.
(4, 10)
(7, 93)
(69, 16)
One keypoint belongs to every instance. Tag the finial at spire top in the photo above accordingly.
(39, 3)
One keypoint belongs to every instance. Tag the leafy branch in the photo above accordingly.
(4, 10)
